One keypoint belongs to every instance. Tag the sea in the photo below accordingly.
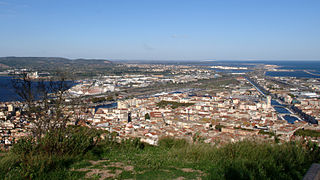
(295, 68)
(8, 93)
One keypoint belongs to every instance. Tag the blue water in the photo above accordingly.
(7, 92)
(300, 65)
(274, 102)
(312, 66)
(282, 110)
(111, 105)
(297, 65)
(290, 119)
(298, 74)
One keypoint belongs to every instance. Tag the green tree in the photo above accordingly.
(110, 98)
(146, 116)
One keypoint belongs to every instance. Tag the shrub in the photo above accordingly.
(74, 140)
(219, 127)
(146, 116)
(55, 150)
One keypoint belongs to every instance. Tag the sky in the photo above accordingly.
(162, 29)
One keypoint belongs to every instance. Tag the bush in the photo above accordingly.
(146, 116)
(219, 127)
(55, 150)
(74, 140)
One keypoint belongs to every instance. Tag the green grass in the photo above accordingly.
(307, 132)
(172, 159)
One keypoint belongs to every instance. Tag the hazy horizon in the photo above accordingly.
(191, 60)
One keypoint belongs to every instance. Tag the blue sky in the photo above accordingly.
(162, 29)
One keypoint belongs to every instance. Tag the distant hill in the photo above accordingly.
(43, 63)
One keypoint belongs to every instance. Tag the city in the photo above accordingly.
(244, 106)
(170, 89)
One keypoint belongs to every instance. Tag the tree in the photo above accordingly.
(219, 127)
(45, 103)
(110, 98)
(146, 116)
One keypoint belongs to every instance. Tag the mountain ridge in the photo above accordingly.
(48, 62)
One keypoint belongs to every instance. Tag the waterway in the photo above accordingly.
(111, 105)
(290, 119)
(256, 86)
(7, 91)
(282, 110)
(274, 102)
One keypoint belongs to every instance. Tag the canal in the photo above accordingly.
(282, 110)
(111, 105)
(290, 119)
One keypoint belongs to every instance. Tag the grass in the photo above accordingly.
(171, 159)
(244, 160)
(307, 132)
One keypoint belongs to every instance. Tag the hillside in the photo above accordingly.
(78, 156)
(44, 63)
(78, 67)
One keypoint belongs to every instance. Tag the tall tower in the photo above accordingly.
(268, 102)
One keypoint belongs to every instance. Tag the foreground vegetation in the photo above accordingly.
(78, 153)
(307, 132)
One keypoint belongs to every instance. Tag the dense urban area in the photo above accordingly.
(185, 101)
(212, 104)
